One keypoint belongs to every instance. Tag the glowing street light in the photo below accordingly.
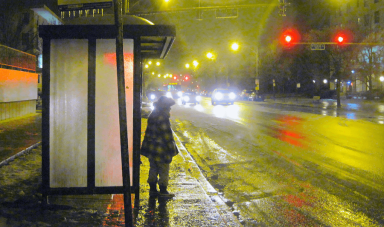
(209, 55)
(235, 46)
(157, 63)
(150, 63)
(195, 63)
(187, 66)
(146, 66)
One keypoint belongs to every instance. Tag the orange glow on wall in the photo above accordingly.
(110, 58)
(17, 85)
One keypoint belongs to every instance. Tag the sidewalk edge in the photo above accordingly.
(8, 160)
(210, 191)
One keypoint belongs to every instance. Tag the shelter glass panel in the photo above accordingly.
(68, 113)
(107, 146)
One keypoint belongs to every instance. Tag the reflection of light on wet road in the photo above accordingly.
(199, 108)
(214, 153)
(289, 130)
(380, 108)
(351, 115)
(231, 111)
(324, 112)
(353, 106)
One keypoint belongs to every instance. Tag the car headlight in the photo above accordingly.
(169, 94)
(186, 98)
(198, 98)
(232, 95)
(218, 96)
(152, 97)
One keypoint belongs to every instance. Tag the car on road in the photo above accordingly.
(247, 94)
(255, 97)
(222, 95)
(190, 97)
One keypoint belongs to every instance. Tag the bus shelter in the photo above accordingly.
(81, 151)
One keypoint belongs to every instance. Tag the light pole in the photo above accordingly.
(212, 57)
(235, 46)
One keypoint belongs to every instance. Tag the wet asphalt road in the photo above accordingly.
(280, 165)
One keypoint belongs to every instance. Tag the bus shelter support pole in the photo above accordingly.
(122, 113)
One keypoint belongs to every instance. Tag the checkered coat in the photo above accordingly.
(159, 143)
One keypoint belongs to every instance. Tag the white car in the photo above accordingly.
(221, 95)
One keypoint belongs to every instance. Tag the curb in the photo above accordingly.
(10, 159)
(191, 167)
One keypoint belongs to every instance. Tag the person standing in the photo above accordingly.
(159, 146)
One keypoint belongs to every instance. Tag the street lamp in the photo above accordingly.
(382, 80)
(195, 63)
(235, 46)
(209, 55)
(158, 63)
(187, 66)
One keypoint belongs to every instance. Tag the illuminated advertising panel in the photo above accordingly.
(68, 113)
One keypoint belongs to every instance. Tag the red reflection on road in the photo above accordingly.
(289, 132)
(115, 211)
(297, 201)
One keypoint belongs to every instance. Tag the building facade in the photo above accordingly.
(20, 55)
(365, 18)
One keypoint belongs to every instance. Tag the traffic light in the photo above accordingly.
(290, 37)
(186, 78)
(343, 37)
(340, 39)
(175, 77)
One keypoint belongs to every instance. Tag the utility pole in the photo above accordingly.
(337, 69)
(118, 10)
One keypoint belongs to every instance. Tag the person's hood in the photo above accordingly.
(164, 102)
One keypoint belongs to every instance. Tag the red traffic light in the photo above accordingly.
(290, 37)
(175, 77)
(340, 39)
(186, 77)
(343, 37)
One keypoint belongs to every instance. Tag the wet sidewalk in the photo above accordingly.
(196, 202)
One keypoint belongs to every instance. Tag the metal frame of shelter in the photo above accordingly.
(150, 41)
